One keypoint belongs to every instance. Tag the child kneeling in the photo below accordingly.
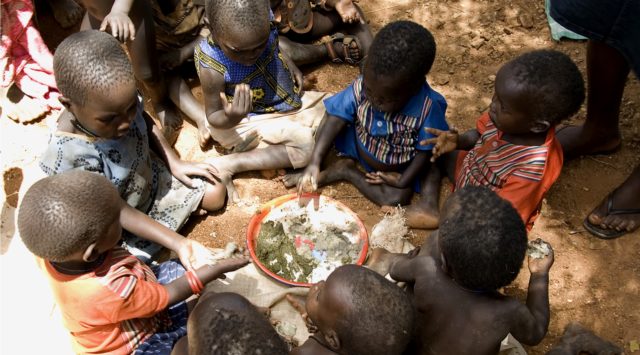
(111, 302)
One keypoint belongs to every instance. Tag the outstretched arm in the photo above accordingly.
(532, 322)
(327, 132)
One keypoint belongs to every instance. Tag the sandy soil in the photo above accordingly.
(594, 282)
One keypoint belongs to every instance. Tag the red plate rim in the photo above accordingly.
(256, 220)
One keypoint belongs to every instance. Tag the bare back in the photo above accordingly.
(453, 320)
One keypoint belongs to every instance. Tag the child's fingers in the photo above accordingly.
(434, 131)
(132, 31)
(429, 141)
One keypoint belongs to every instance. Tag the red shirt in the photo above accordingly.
(520, 174)
(112, 309)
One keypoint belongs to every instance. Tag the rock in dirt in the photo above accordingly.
(525, 21)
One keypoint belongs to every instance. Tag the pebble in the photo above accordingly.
(525, 21)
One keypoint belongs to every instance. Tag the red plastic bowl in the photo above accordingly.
(254, 230)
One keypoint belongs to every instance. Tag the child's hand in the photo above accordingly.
(121, 26)
(309, 178)
(542, 265)
(241, 104)
(182, 170)
(444, 141)
(194, 255)
(380, 177)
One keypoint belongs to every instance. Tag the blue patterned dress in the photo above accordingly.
(271, 82)
(141, 177)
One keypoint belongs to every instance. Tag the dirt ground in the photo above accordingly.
(593, 282)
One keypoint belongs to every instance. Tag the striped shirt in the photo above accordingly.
(520, 174)
(112, 309)
(391, 138)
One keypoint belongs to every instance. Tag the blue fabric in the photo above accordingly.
(162, 342)
(426, 108)
(614, 22)
(272, 86)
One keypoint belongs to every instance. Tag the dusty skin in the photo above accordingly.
(593, 282)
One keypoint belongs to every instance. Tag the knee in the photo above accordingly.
(214, 197)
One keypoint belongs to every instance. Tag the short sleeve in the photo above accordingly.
(138, 298)
(343, 104)
(435, 119)
(67, 153)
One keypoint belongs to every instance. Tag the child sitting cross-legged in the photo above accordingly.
(456, 275)
(105, 130)
(227, 323)
(110, 301)
(379, 120)
(356, 312)
(252, 92)
(513, 150)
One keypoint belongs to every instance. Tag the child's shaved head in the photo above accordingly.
(553, 81)
(226, 323)
(402, 48)
(237, 15)
(63, 214)
(482, 238)
(380, 317)
(90, 61)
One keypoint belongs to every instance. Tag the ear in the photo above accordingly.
(540, 126)
(65, 101)
(90, 254)
(332, 340)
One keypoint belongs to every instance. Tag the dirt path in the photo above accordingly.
(593, 282)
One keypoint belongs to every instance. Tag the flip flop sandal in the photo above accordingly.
(603, 233)
(346, 46)
(294, 15)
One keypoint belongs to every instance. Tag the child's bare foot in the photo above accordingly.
(66, 12)
(344, 48)
(380, 260)
(578, 340)
(346, 9)
(421, 216)
(291, 179)
(170, 120)
(577, 141)
(619, 212)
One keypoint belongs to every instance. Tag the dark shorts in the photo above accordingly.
(614, 22)
(162, 341)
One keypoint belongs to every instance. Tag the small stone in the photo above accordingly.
(507, 31)
(585, 188)
(477, 42)
(492, 78)
(525, 21)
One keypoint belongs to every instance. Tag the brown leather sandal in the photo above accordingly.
(347, 44)
(294, 15)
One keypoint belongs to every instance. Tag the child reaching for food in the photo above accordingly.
(110, 301)
(379, 120)
(455, 278)
(104, 130)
